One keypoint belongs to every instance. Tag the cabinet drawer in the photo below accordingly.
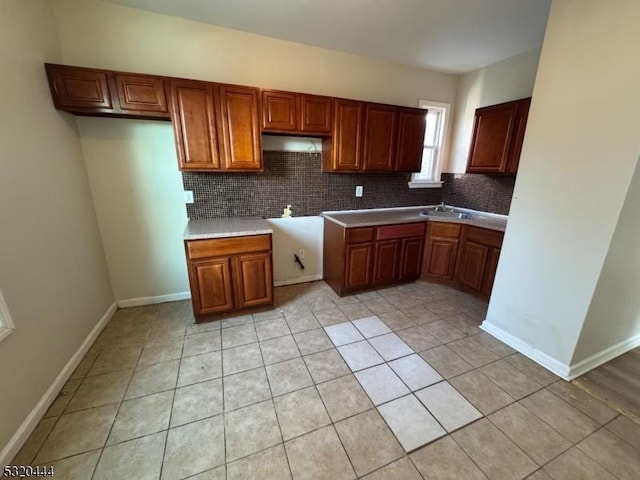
(217, 247)
(441, 229)
(359, 235)
(405, 230)
(492, 238)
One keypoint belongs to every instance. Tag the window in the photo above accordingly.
(432, 153)
(6, 325)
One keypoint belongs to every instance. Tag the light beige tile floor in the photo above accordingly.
(282, 394)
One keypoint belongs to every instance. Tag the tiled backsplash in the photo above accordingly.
(487, 193)
(295, 178)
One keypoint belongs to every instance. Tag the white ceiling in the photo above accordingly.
(448, 35)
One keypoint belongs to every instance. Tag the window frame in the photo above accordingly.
(442, 147)
(6, 324)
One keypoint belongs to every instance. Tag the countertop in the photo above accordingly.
(226, 227)
(386, 216)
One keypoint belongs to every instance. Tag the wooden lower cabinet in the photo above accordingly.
(386, 265)
(473, 257)
(229, 274)
(462, 255)
(358, 266)
(253, 280)
(441, 251)
(359, 258)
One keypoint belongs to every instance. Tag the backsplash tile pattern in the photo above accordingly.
(295, 178)
(486, 193)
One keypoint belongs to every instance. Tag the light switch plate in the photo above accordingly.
(188, 196)
(358, 190)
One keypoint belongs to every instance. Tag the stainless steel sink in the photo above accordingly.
(450, 214)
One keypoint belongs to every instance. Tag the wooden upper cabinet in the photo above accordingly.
(240, 130)
(498, 132)
(280, 111)
(79, 90)
(86, 91)
(410, 142)
(194, 124)
(315, 114)
(141, 94)
(345, 146)
(380, 123)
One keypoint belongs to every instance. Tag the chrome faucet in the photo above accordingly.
(443, 208)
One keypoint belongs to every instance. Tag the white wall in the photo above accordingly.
(613, 318)
(137, 191)
(52, 268)
(109, 36)
(291, 235)
(499, 82)
(579, 154)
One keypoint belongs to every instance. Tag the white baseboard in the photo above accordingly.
(169, 297)
(603, 356)
(30, 423)
(548, 362)
(564, 371)
(292, 281)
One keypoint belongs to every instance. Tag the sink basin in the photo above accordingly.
(435, 213)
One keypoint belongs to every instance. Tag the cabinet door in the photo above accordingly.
(211, 286)
(358, 266)
(194, 125)
(493, 132)
(141, 94)
(80, 90)
(242, 149)
(490, 271)
(411, 260)
(518, 139)
(386, 263)
(410, 142)
(279, 111)
(440, 260)
(380, 123)
(473, 258)
(253, 280)
(346, 143)
(315, 114)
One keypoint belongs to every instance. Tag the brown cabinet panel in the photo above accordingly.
(280, 111)
(358, 266)
(315, 114)
(241, 134)
(359, 235)
(253, 280)
(230, 273)
(440, 258)
(379, 137)
(211, 286)
(490, 271)
(498, 133)
(410, 142)
(345, 146)
(411, 259)
(216, 247)
(443, 229)
(194, 124)
(141, 94)
(388, 232)
(518, 139)
(386, 266)
(473, 257)
(79, 89)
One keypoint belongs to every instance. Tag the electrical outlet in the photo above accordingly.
(188, 196)
(358, 190)
(301, 253)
